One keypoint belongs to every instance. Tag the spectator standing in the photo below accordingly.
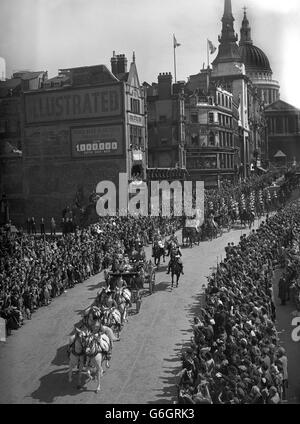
(42, 226)
(28, 225)
(52, 227)
(33, 226)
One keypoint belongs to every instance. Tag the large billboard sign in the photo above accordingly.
(97, 140)
(95, 102)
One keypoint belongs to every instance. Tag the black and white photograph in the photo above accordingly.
(149, 205)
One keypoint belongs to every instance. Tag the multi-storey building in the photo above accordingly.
(82, 127)
(11, 159)
(212, 149)
(166, 132)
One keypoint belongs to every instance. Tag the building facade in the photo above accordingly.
(283, 131)
(212, 148)
(166, 128)
(11, 155)
(86, 126)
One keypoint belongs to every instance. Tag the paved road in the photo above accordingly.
(33, 366)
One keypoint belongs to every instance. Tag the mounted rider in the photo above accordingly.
(175, 254)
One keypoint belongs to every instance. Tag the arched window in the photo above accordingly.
(212, 138)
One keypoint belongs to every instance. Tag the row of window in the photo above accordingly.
(224, 100)
(211, 162)
(225, 139)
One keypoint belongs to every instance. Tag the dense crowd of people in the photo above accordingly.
(36, 269)
(235, 356)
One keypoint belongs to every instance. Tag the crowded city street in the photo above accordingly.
(149, 205)
(147, 359)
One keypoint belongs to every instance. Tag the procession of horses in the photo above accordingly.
(92, 340)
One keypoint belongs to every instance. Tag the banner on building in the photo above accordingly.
(73, 104)
(97, 141)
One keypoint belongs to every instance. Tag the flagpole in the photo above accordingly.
(207, 53)
(174, 47)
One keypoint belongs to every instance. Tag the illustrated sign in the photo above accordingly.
(73, 104)
(97, 140)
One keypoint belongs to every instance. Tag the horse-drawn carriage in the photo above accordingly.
(138, 276)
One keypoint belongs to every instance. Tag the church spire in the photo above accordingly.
(228, 33)
(245, 31)
(228, 48)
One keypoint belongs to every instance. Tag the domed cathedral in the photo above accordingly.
(257, 65)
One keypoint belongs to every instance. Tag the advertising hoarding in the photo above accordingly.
(59, 105)
(100, 140)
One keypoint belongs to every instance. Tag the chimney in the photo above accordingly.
(114, 64)
(122, 64)
(165, 85)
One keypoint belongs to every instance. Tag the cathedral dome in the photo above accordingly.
(254, 58)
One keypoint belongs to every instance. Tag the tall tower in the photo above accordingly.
(245, 31)
(228, 48)
(229, 70)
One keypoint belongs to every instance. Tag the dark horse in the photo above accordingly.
(247, 217)
(191, 235)
(176, 269)
(158, 252)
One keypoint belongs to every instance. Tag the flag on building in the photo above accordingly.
(212, 48)
(175, 42)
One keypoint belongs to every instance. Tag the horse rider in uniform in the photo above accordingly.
(175, 254)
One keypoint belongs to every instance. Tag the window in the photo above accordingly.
(134, 105)
(210, 117)
(136, 136)
(210, 101)
(194, 118)
(212, 138)
(195, 139)
(226, 101)
(162, 118)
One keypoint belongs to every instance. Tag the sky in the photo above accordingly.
(52, 34)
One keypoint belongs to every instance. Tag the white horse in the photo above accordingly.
(97, 346)
(123, 299)
(112, 318)
(77, 343)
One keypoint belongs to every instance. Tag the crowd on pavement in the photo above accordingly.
(235, 355)
(36, 269)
